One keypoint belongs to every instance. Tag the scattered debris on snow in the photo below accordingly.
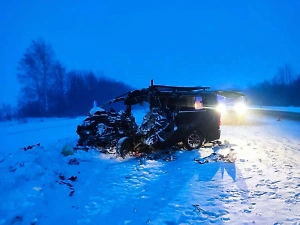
(31, 146)
(73, 161)
(216, 157)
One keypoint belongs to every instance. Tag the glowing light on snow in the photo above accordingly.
(240, 108)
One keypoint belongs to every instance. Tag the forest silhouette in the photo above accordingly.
(48, 89)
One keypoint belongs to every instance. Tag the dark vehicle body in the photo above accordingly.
(185, 117)
(189, 117)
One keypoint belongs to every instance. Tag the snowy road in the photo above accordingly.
(261, 187)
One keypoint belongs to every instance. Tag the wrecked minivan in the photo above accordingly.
(177, 117)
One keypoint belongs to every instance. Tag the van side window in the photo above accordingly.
(187, 103)
(198, 102)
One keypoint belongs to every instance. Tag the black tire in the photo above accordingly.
(193, 140)
(124, 145)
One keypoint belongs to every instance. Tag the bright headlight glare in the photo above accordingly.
(240, 108)
(221, 108)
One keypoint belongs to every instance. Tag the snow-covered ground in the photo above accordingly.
(261, 187)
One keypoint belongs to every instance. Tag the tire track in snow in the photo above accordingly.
(272, 157)
(156, 194)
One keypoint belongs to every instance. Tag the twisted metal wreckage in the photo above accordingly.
(118, 132)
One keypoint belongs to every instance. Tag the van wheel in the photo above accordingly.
(124, 145)
(193, 140)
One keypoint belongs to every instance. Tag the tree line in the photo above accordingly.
(49, 90)
(282, 90)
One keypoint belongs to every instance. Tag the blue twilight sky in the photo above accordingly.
(218, 43)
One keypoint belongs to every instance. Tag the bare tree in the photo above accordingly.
(284, 76)
(7, 112)
(58, 88)
(35, 73)
(76, 92)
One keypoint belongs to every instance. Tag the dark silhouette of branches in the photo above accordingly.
(85, 87)
(58, 90)
(48, 89)
(35, 74)
(6, 112)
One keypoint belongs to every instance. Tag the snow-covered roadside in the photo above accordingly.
(18, 134)
(268, 163)
(261, 187)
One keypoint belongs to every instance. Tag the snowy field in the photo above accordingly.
(41, 186)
